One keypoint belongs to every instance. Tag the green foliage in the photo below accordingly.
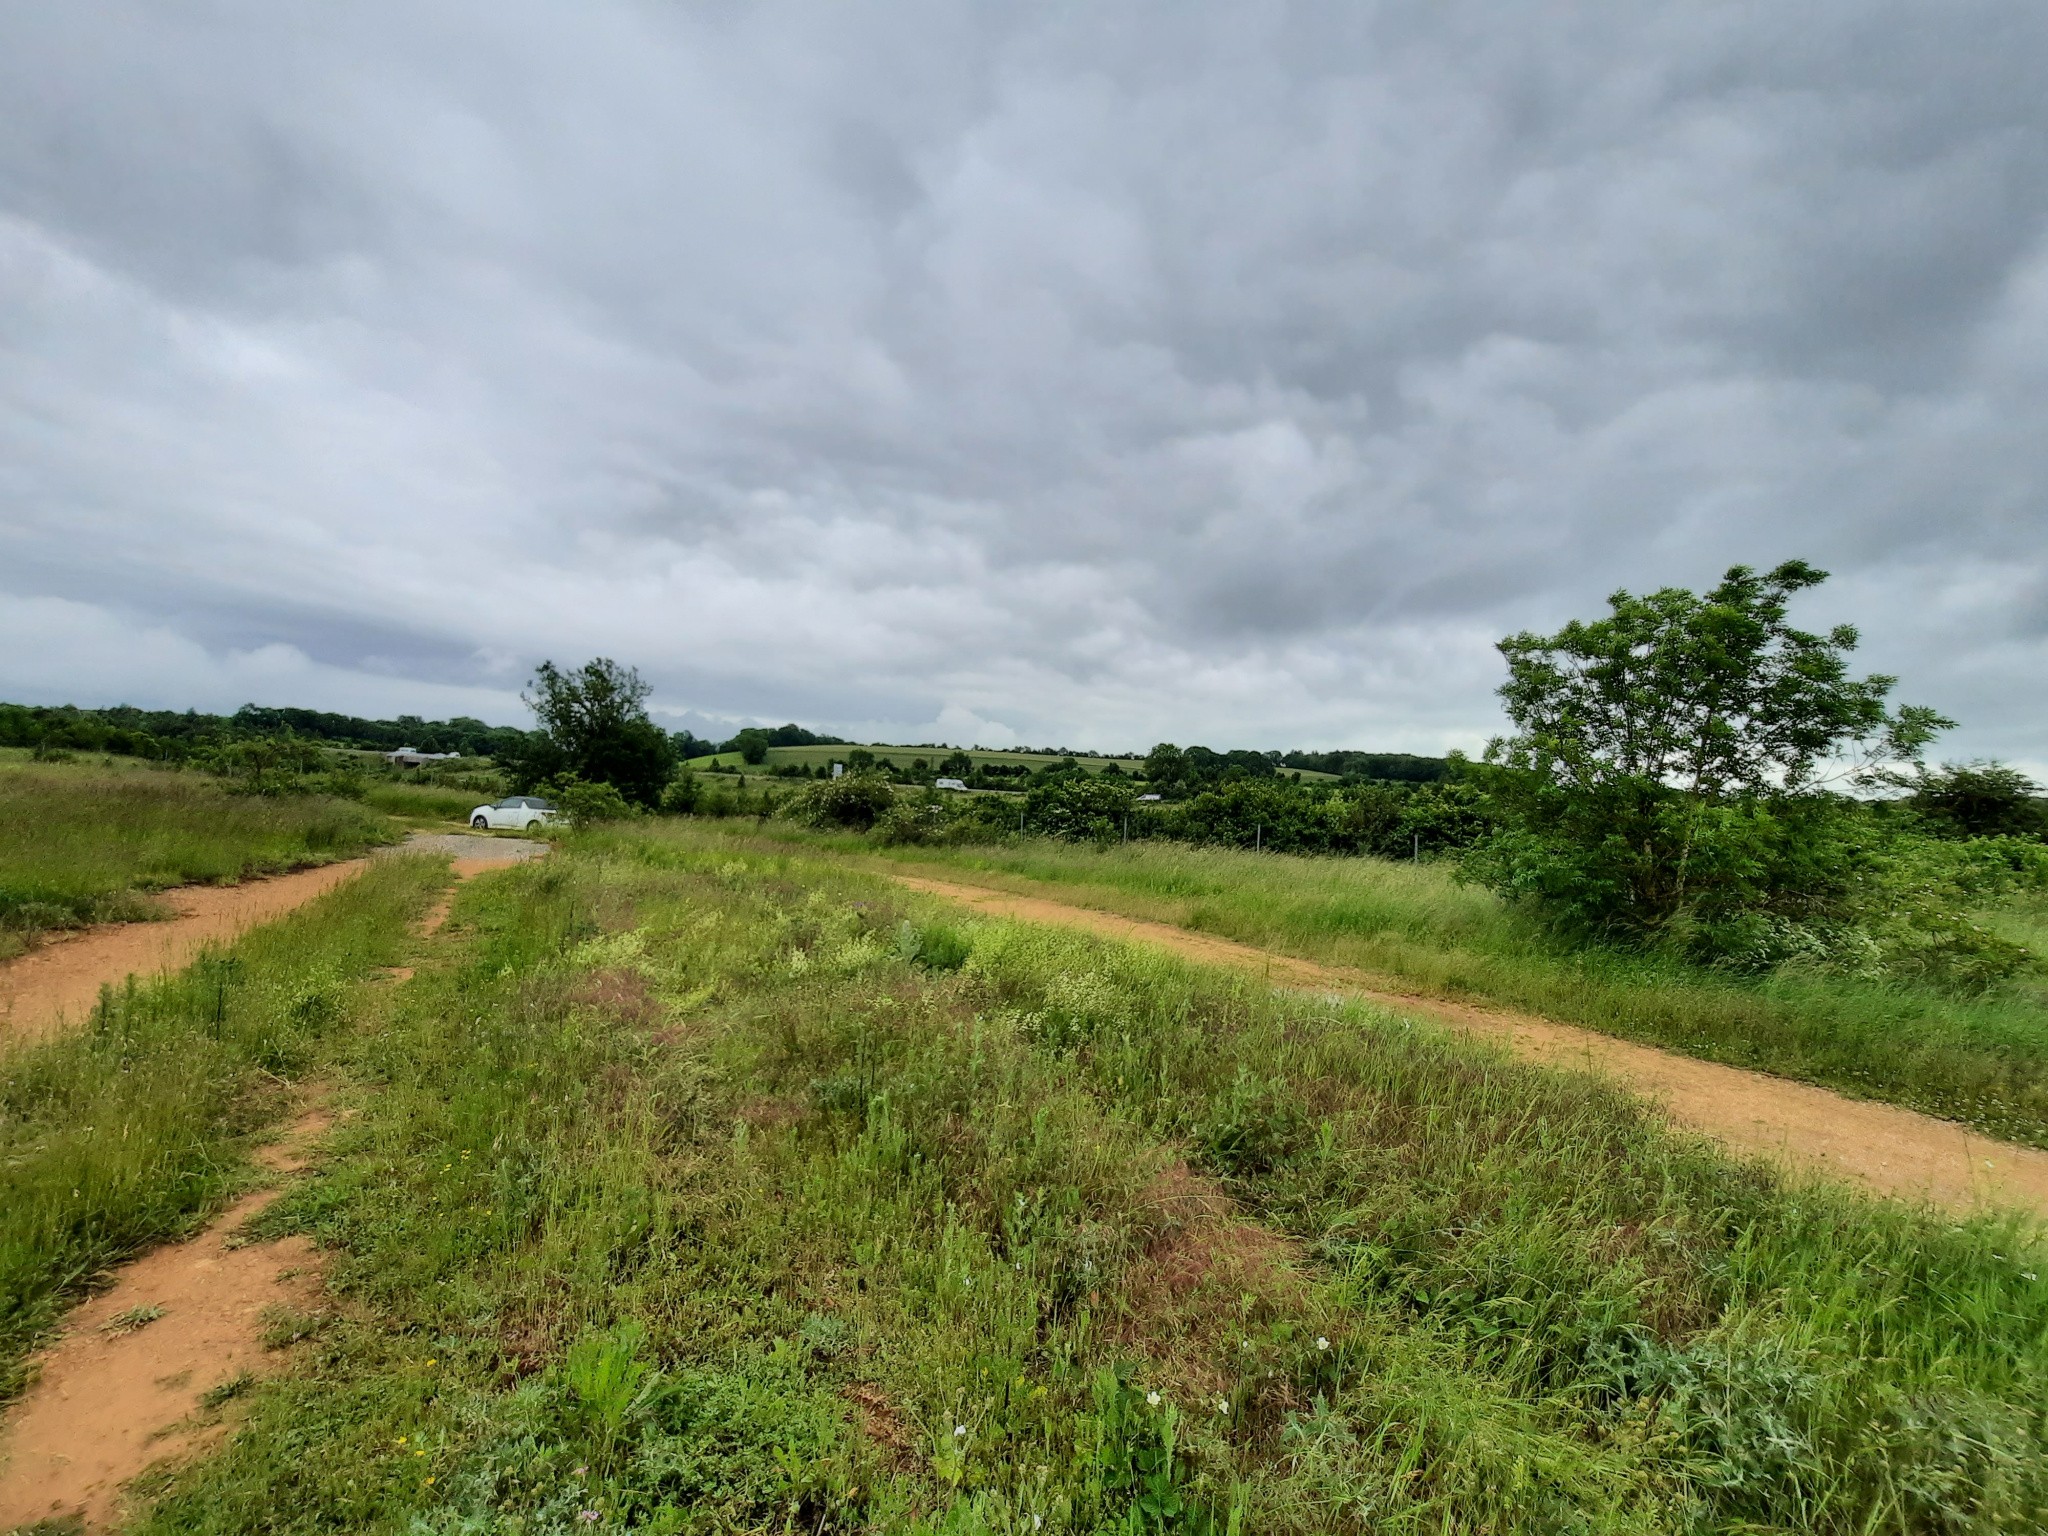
(1082, 806)
(1978, 800)
(855, 800)
(934, 946)
(267, 765)
(174, 736)
(594, 725)
(1659, 784)
(927, 817)
(585, 804)
(681, 795)
(1716, 695)
(751, 744)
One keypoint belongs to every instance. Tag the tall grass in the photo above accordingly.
(120, 1134)
(84, 844)
(1981, 1059)
(425, 802)
(708, 1189)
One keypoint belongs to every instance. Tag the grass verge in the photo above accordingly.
(124, 1133)
(1979, 1059)
(700, 1189)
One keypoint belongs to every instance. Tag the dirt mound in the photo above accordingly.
(1891, 1150)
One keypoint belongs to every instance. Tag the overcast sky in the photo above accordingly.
(1093, 374)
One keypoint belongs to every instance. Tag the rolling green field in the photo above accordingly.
(88, 843)
(707, 1188)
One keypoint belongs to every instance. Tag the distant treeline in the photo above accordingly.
(1176, 770)
(753, 742)
(171, 735)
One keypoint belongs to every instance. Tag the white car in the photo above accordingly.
(519, 813)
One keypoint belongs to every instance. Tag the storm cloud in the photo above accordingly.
(1224, 372)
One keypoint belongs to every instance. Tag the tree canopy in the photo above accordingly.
(1711, 694)
(594, 725)
(1661, 779)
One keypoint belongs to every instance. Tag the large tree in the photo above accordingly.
(1667, 758)
(594, 724)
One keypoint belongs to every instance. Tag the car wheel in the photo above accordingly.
(480, 823)
(533, 823)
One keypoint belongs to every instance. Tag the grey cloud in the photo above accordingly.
(1227, 372)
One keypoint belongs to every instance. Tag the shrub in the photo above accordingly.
(682, 794)
(586, 804)
(856, 800)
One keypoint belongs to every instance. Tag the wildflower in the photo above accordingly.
(428, 1483)
(959, 1430)
(1223, 1405)
(1038, 1522)
(1152, 1398)
(579, 1471)
(1322, 1344)
(589, 1516)
(432, 1363)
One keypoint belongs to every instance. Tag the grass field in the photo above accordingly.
(718, 1189)
(87, 843)
(1980, 1059)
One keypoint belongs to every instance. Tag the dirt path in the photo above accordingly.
(1894, 1151)
(123, 1387)
(125, 1384)
(60, 982)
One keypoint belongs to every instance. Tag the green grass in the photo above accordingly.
(425, 804)
(1981, 1059)
(87, 843)
(127, 1131)
(702, 1187)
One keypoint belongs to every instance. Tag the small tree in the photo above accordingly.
(752, 745)
(594, 725)
(1665, 759)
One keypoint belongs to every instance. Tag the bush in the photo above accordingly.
(856, 800)
(585, 804)
(682, 794)
(1079, 805)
